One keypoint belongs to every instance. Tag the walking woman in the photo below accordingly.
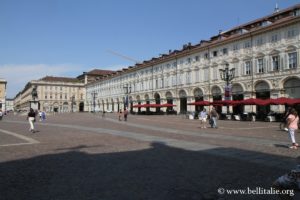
(292, 125)
(31, 119)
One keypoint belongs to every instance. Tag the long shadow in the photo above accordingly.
(158, 173)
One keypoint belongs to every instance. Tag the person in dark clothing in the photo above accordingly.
(31, 119)
(214, 117)
(125, 114)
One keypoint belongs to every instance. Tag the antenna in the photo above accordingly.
(122, 56)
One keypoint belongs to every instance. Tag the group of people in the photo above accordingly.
(213, 117)
(123, 114)
(291, 119)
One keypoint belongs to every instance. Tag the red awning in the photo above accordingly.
(253, 101)
(200, 103)
(138, 106)
(226, 102)
(281, 101)
(167, 105)
(294, 101)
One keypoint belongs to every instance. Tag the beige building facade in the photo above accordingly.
(264, 54)
(54, 94)
(2, 94)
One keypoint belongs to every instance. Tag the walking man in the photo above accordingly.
(31, 119)
(214, 116)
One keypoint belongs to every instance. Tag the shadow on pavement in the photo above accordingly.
(159, 173)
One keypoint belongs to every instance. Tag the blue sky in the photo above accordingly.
(68, 37)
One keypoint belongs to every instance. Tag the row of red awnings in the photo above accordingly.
(153, 105)
(251, 101)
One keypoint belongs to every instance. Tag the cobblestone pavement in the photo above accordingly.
(85, 156)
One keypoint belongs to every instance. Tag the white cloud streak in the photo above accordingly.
(18, 75)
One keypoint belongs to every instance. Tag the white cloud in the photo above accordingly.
(18, 75)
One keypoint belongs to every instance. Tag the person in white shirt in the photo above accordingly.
(202, 118)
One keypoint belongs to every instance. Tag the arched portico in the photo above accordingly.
(262, 91)
(183, 101)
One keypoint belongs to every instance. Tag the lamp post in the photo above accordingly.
(94, 94)
(72, 103)
(127, 91)
(227, 75)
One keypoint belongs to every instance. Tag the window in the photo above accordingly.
(274, 38)
(167, 81)
(291, 33)
(292, 60)
(215, 74)
(259, 41)
(235, 47)
(66, 97)
(173, 80)
(197, 78)
(179, 77)
(188, 78)
(206, 56)
(174, 64)
(188, 60)
(296, 12)
(247, 44)
(206, 75)
(215, 53)
(248, 68)
(197, 58)
(46, 96)
(260, 66)
(275, 63)
(225, 51)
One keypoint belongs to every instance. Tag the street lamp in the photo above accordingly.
(127, 91)
(94, 94)
(227, 75)
(72, 102)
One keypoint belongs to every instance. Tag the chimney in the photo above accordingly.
(276, 9)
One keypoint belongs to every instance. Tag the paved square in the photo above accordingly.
(85, 156)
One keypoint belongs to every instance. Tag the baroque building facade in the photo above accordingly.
(54, 94)
(264, 53)
(57, 94)
(3, 94)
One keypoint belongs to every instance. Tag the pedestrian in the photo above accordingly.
(40, 115)
(292, 125)
(31, 118)
(43, 115)
(214, 117)
(103, 114)
(1, 114)
(120, 115)
(202, 118)
(125, 114)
